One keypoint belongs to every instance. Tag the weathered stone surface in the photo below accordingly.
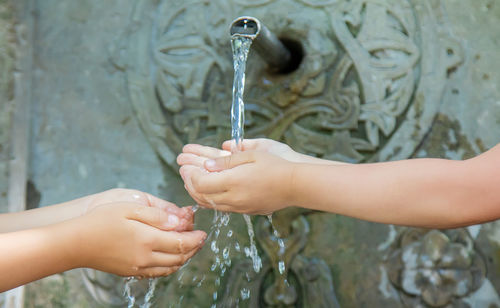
(87, 137)
(7, 64)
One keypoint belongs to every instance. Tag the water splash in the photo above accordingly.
(222, 254)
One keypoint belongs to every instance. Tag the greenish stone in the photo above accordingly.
(89, 114)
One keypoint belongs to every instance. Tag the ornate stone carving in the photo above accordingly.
(435, 268)
(352, 94)
(367, 89)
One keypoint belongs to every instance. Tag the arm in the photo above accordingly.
(32, 254)
(39, 217)
(424, 192)
(48, 215)
(433, 193)
(418, 192)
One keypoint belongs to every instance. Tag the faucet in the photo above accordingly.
(267, 45)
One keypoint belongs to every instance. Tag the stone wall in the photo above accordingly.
(7, 62)
(94, 127)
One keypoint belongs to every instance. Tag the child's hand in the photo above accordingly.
(248, 182)
(195, 154)
(129, 239)
(182, 219)
(266, 145)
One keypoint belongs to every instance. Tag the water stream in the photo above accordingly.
(240, 46)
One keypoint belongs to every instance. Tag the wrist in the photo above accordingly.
(290, 183)
(69, 243)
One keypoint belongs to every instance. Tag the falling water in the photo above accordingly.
(149, 295)
(128, 291)
(241, 46)
(281, 244)
(222, 254)
(131, 299)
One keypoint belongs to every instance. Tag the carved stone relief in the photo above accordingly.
(181, 93)
(356, 89)
(435, 268)
(367, 89)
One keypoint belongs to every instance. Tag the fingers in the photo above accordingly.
(152, 272)
(156, 217)
(185, 215)
(200, 181)
(165, 205)
(204, 151)
(247, 144)
(189, 216)
(161, 259)
(228, 162)
(178, 242)
(190, 159)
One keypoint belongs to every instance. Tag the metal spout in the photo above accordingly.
(267, 45)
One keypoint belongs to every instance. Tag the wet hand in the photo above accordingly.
(181, 219)
(196, 155)
(130, 239)
(248, 182)
(265, 145)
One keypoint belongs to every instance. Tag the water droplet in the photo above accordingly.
(281, 267)
(213, 247)
(245, 293)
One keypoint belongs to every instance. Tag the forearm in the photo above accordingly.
(306, 159)
(33, 254)
(43, 216)
(419, 192)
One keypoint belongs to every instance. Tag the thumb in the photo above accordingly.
(156, 217)
(229, 162)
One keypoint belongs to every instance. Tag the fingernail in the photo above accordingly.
(210, 163)
(172, 221)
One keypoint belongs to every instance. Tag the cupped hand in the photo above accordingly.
(250, 182)
(266, 145)
(181, 219)
(130, 239)
(196, 155)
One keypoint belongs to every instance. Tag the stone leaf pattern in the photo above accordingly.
(348, 96)
(435, 268)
